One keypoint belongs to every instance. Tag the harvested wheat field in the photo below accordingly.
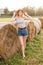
(9, 42)
(5, 19)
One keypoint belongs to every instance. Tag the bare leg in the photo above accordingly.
(22, 46)
(24, 40)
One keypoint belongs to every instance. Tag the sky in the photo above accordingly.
(18, 4)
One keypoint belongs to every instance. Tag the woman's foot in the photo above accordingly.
(23, 56)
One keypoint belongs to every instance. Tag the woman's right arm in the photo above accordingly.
(13, 20)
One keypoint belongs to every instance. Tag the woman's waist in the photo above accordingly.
(21, 25)
(21, 28)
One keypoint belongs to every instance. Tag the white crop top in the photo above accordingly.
(21, 22)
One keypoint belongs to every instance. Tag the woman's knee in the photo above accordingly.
(22, 44)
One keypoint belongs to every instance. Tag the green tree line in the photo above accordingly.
(30, 10)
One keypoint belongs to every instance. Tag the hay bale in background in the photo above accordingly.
(41, 19)
(37, 24)
(34, 27)
(31, 31)
(9, 42)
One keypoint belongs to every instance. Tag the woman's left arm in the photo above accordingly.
(27, 17)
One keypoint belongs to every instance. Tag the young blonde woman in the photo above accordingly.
(20, 19)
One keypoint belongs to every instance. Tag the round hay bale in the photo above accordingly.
(9, 41)
(41, 19)
(37, 24)
(34, 27)
(31, 31)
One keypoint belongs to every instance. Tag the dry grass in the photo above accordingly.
(5, 19)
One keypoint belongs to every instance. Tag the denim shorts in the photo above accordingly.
(23, 32)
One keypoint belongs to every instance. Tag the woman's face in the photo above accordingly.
(20, 13)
